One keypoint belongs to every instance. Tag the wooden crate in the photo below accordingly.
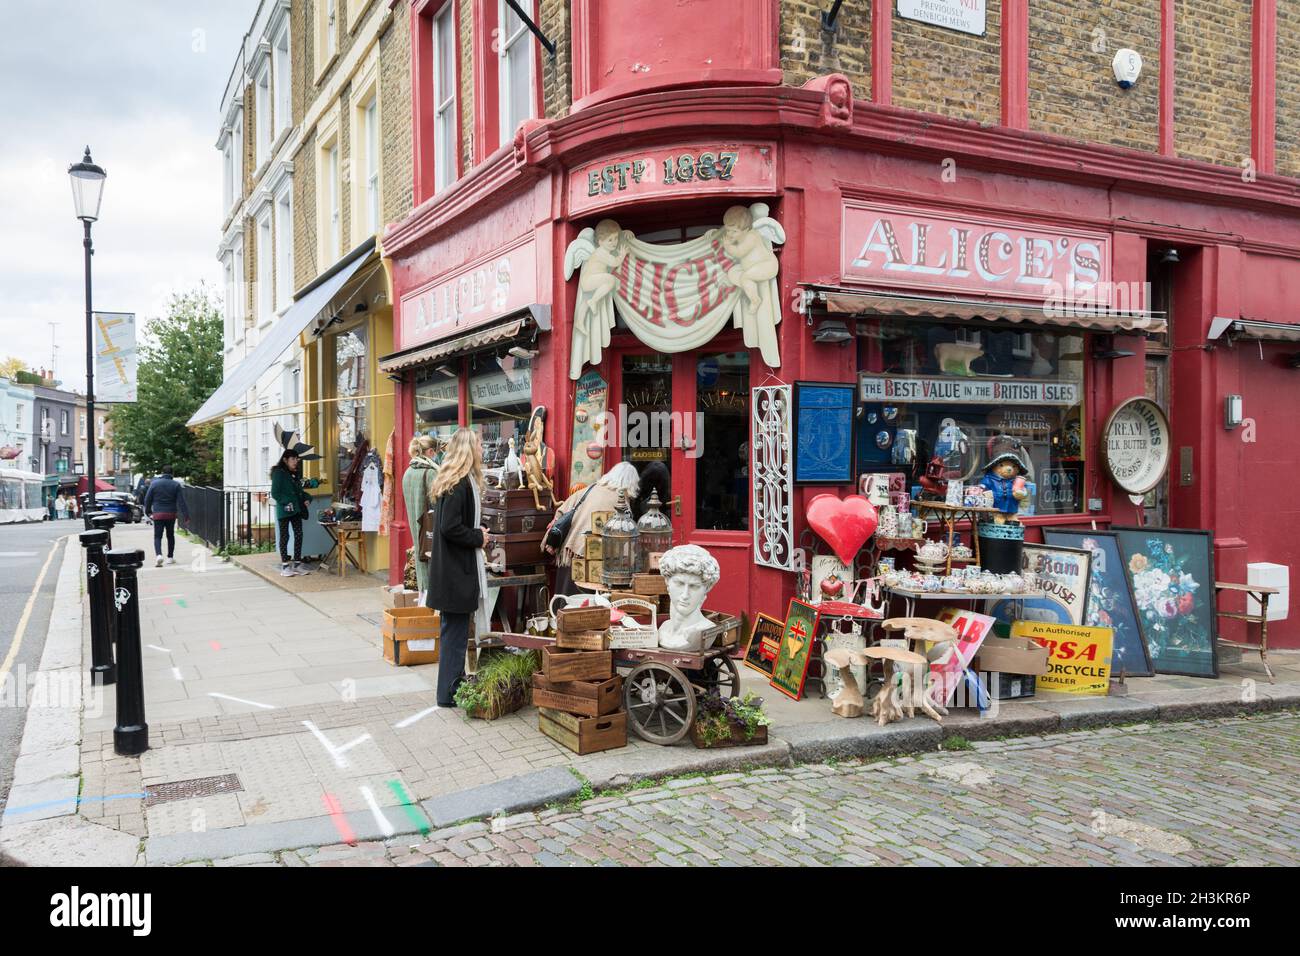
(588, 698)
(583, 735)
(582, 640)
(596, 572)
(574, 619)
(598, 519)
(562, 666)
(649, 585)
(578, 569)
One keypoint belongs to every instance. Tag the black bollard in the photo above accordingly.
(104, 522)
(99, 585)
(131, 735)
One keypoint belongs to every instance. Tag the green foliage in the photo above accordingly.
(233, 550)
(180, 366)
(717, 715)
(11, 367)
(956, 742)
(501, 679)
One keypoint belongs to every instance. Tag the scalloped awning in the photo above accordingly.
(854, 302)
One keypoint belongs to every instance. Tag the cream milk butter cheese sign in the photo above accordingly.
(1135, 445)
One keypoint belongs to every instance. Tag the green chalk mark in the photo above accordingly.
(412, 812)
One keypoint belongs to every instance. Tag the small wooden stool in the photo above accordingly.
(1260, 594)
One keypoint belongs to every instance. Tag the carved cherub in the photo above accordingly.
(747, 236)
(595, 253)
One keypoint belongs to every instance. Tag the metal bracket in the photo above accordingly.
(828, 17)
(533, 28)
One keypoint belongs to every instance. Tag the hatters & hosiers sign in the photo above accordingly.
(471, 296)
(677, 297)
(685, 169)
(900, 246)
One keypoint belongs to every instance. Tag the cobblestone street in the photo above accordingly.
(1218, 793)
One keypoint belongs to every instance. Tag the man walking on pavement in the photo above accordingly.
(162, 503)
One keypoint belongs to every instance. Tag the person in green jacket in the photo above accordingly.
(290, 508)
(416, 483)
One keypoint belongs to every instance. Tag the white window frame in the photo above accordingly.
(371, 182)
(281, 52)
(284, 282)
(237, 135)
(65, 421)
(334, 208)
(262, 97)
(241, 290)
(265, 252)
(228, 176)
(228, 277)
(329, 188)
(517, 44)
(445, 106)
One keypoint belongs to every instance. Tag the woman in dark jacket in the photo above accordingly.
(457, 573)
(290, 508)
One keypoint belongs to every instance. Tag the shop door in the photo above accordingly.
(1155, 506)
(689, 414)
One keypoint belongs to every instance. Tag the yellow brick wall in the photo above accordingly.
(1072, 88)
(937, 70)
(555, 22)
(808, 52)
(1212, 80)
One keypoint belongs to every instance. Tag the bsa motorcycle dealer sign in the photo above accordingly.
(899, 246)
(1135, 446)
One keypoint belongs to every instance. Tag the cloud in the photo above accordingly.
(141, 82)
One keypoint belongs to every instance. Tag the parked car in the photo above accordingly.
(121, 504)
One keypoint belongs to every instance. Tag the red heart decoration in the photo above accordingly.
(844, 523)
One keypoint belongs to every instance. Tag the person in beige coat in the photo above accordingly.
(603, 497)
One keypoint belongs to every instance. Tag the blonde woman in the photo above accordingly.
(457, 575)
(416, 483)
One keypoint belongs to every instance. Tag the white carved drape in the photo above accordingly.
(773, 491)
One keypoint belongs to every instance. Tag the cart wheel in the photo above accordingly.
(660, 702)
(718, 677)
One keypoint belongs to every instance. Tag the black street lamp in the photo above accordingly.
(87, 191)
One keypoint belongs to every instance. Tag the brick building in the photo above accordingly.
(931, 180)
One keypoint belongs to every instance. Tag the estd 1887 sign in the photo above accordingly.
(1135, 448)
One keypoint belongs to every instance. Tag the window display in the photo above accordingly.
(351, 362)
(943, 391)
(500, 401)
(437, 400)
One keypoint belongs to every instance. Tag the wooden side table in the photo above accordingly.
(344, 533)
(1260, 594)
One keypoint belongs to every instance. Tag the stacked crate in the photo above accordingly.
(579, 698)
(515, 526)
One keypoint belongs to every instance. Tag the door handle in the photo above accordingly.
(677, 506)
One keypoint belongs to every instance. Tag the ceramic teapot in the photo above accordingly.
(932, 552)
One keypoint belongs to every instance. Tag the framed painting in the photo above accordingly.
(1110, 602)
(764, 644)
(1062, 574)
(791, 666)
(1171, 575)
(822, 432)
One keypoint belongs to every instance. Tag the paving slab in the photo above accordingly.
(1100, 711)
(36, 766)
(54, 797)
(68, 842)
(506, 796)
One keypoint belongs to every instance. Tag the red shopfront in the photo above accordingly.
(908, 259)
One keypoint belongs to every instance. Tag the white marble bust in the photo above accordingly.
(690, 572)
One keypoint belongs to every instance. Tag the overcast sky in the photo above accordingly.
(140, 81)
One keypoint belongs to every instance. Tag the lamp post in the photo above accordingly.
(87, 191)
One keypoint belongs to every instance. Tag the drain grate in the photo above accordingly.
(187, 789)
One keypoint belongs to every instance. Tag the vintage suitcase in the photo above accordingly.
(516, 520)
(517, 548)
(516, 498)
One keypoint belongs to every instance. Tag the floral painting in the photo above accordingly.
(1171, 575)
(1110, 603)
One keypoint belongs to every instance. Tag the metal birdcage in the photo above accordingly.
(619, 547)
(654, 533)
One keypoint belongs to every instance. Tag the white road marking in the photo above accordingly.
(157, 648)
(384, 826)
(240, 700)
(18, 554)
(335, 752)
(407, 721)
(23, 618)
(176, 672)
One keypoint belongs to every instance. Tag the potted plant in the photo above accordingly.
(729, 722)
(502, 684)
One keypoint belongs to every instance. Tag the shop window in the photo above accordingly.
(437, 401)
(945, 390)
(351, 360)
(500, 391)
(444, 97)
(516, 71)
(721, 434)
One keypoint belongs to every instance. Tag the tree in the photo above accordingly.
(10, 367)
(180, 366)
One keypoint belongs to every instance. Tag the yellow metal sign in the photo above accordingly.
(1079, 661)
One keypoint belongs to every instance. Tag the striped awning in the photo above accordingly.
(854, 302)
(533, 318)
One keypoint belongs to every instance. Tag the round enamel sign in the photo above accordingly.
(1135, 447)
